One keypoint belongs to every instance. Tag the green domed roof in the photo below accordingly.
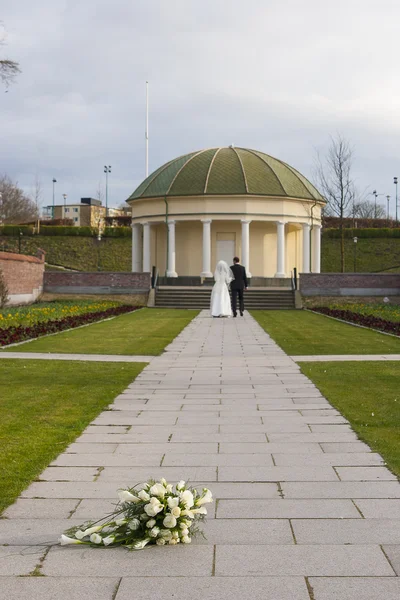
(226, 171)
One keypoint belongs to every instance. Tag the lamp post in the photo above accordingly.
(107, 170)
(99, 240)
(355, 240)
(65, 201)
(388, 199)
(52, 212)
(395, 183)
(376, 195)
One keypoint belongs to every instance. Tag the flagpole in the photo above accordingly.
(147, 128)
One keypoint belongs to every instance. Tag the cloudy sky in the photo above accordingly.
(280, 76)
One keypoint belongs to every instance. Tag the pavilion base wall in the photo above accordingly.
(349, 284)
(23, 276)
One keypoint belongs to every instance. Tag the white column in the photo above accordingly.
(206, 248)
(246, 246)
(136, 248)
(171, 250)
(306, 248)
(146, 248)
(280, 249)
(316, 248)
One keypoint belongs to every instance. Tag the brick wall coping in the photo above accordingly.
(23, 257)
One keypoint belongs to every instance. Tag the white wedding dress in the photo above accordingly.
(220, 299)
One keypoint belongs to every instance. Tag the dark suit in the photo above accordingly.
(237, 287)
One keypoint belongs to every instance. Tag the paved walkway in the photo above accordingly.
(304, 510)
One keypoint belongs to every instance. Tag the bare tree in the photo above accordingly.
(37, 193)
(366, 210)
(16, 207)
(9, 69)
(100, 192)
(334, 179)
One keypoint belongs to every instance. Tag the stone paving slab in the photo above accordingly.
(342, 489)
(286, 509)
(50, 588)
(323, 561)
(213, 588)
(384, 508)
(355, 588)
(347, 531)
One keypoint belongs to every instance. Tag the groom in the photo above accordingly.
(238, 285)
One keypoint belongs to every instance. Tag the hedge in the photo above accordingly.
(65, 230)
(362, 233)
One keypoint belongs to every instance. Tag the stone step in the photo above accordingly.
(199, 298)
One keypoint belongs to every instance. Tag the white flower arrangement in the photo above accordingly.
(157, 513)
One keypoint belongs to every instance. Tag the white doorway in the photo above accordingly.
(226, 250)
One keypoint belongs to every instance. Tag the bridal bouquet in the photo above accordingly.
(157, 513)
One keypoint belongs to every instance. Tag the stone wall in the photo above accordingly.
(96, 283)
(23, 276)
(350, 284)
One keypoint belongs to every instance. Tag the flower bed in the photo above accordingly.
(17, 325)
(366, 318)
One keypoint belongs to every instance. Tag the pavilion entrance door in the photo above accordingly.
(226, 250)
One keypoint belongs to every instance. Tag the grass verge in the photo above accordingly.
(44, 406)
(372, 407)
(144, 332)
(305, 333)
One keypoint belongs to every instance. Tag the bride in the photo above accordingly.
(220, 299)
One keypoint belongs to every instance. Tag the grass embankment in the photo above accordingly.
(44, 406)
(145, 332)
(373, 255)
(75, 252)
(368, 395)
(302, 333)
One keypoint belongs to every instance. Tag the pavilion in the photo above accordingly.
(216, 203)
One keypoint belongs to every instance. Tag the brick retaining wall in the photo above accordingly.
(350, 284)
(96, 283)
(23, 276)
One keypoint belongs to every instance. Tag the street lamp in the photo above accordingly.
(388, 199)
(65, 201)
(395, 183)
(355, 240)
(52, 212)
(107, 170)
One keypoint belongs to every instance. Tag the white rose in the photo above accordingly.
(163, 482)
(186, 539)
(65, 540)
(175, 535)
(154, 532)
(127, 497)
(199, 511)
(187, 498)
(176, 512)
(153, 507)
(172, 542)
(206, 497)
(169, 521)
(173, 502)
(95, 538)
(180, 485)
(143, 495)
(169, 488)
(160, 542)
(166, 534)
(184, 532)
(134, 524)
(150, 523)
(158, 490)
(110, 539)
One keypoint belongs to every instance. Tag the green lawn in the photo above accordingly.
(44, 406)
(368, 395)
(301, 332)
(144, 332)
